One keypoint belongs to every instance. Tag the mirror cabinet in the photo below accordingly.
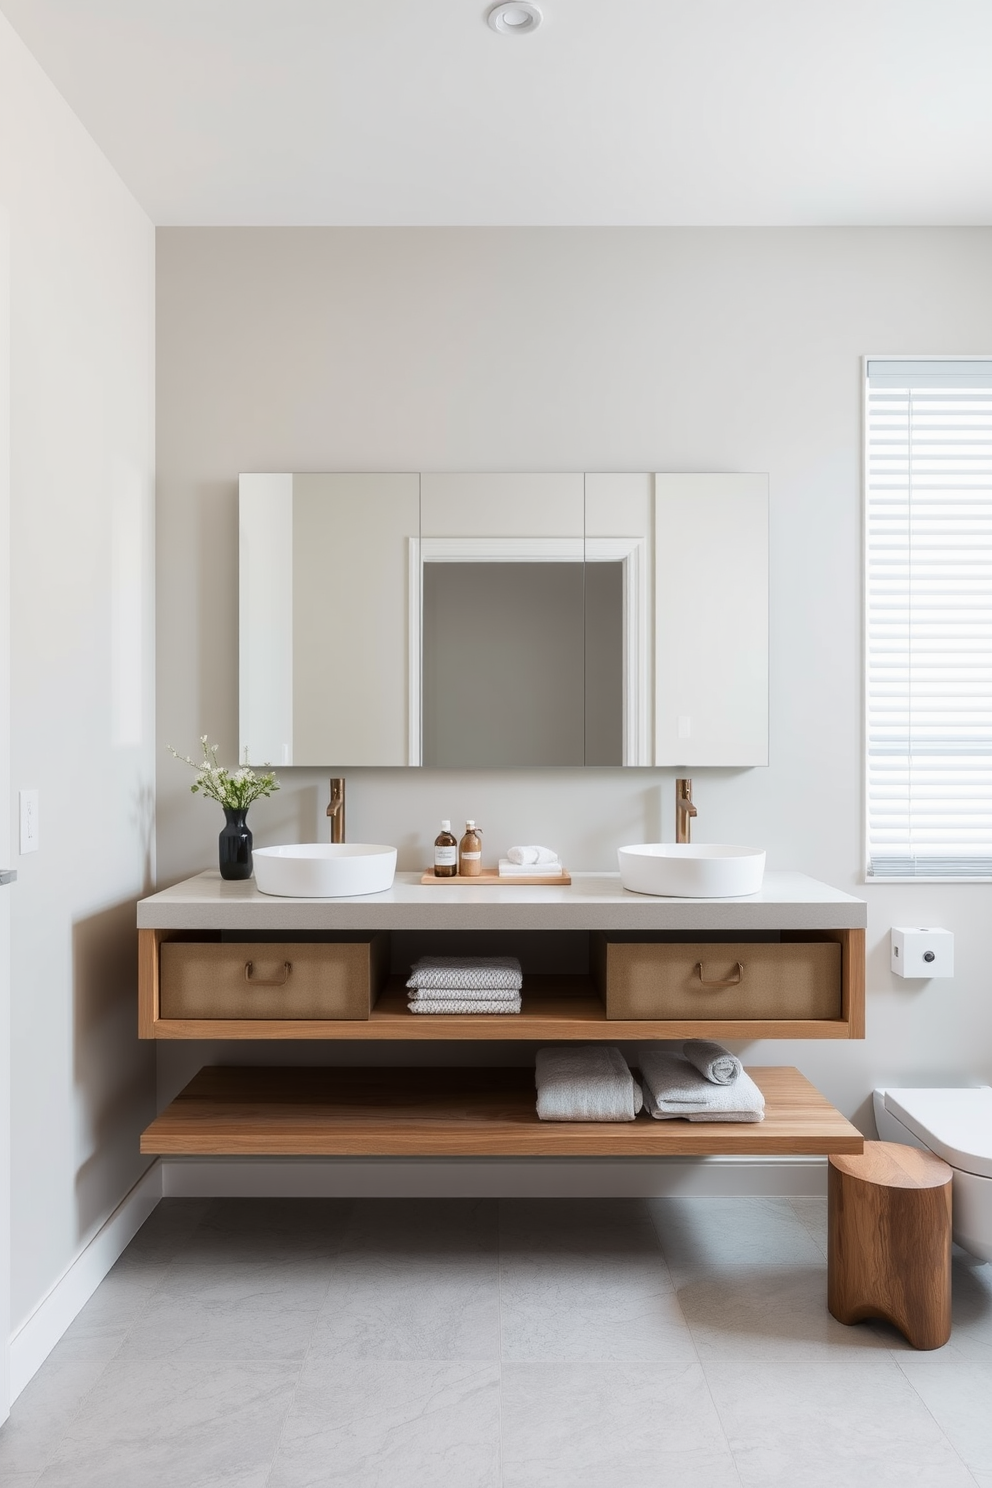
(504, 620)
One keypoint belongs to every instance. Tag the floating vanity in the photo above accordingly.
(219, 960)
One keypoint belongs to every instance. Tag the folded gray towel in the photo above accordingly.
(461, 994)
(480, 973)
(588, 1083)
(443, 1005)
(673, 1087)
(713, 1061)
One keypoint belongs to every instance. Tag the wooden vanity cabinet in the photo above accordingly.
(213, 964)
(793, 986)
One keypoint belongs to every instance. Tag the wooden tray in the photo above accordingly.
(490, 876)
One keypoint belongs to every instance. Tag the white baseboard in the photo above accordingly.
(35, 1339)
(452, 1177)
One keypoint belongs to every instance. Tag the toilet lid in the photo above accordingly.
(956, 1124)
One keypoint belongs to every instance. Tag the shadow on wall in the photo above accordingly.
(113, 1071)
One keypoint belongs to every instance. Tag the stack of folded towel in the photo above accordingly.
(465, 984)
(588, 1083)
(530, 862)
(702, 1083)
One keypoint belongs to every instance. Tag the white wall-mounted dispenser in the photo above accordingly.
(919, 952)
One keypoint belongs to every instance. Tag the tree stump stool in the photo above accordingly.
(889, 1245)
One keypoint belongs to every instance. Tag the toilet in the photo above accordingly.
(957, 1126)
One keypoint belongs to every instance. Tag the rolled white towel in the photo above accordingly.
(480, 973)
(529, 870)
(713, 1061)
(673, 1087)
(444, 1005)
(589, 1083)
(525, 855)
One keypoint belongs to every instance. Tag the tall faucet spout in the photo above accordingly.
(684, 809)
(335, 808)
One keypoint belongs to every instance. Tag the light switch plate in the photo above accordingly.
(29, 820)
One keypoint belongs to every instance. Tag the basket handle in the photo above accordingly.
(255, 981)
(723, 982)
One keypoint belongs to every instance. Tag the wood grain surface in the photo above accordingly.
(563, 1008)
(889, 1240)
(404, 1112)
(490, 878)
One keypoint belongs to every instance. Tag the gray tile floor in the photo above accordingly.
(484, 1344)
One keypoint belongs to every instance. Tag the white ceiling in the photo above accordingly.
(614, 112)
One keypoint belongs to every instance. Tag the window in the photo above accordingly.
(928, 479)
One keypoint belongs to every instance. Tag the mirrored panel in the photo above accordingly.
(499, 620)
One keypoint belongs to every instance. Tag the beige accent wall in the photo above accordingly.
(82, 266)
(635, 349)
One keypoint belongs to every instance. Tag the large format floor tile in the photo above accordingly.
(766, 1313)
(270, 1231)
(245, 1311)
(813, 1214)
(434, 1227)
(735, 1232)
(855, 1422)
(571, 1295)
(586, 1425)
(152, 1424)
(42, 1413)
(956, 1387)
(413, 1307)
(377, 1425)
(413, 1279)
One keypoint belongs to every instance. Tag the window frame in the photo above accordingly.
(867, 877)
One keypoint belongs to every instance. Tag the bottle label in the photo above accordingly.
(470, 857)
(445, 857)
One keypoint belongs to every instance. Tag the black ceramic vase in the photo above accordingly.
(235, 845)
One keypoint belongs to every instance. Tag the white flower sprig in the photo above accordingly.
(235, 790)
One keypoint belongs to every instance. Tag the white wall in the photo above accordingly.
(572, 349)
(82, 697)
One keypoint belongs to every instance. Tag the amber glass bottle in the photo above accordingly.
(470, 851)
(445, 852)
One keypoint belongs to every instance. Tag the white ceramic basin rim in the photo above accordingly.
(691, 870)
(324, 870)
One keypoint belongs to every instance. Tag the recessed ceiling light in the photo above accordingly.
(515, 17)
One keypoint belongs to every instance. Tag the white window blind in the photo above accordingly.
(929, 618)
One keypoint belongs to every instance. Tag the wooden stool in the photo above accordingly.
(889, 1246)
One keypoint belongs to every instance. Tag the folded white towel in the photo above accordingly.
(529, 870)
(713, 1061)
(525, 855)
(673, 1087)
(451, 1005)
(588, 1083)
(462, 994)
(480, 973)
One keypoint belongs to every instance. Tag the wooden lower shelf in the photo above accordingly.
(402, 1112)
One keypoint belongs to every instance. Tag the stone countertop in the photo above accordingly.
(593, 901)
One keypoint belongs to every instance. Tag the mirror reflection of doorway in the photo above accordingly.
(522, 664)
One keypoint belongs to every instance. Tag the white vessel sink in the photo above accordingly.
(324, 870)
(690, 870)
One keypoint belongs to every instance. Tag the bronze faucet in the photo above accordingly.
(335, 808)
(684, 809)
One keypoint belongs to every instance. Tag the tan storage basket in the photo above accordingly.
(292, 979)
(696, 980)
